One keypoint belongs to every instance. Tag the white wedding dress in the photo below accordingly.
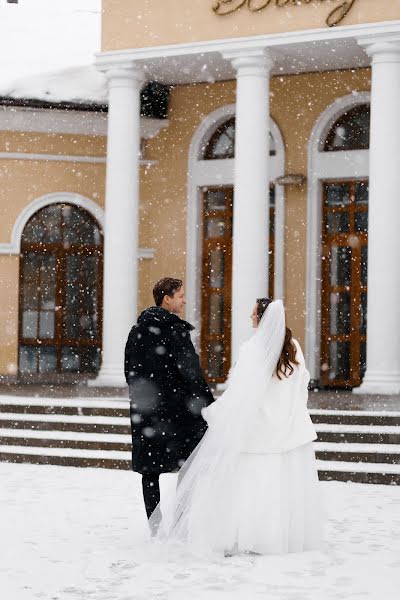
(251, 485)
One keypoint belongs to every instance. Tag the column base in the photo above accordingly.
(387, 384)
(109, 377)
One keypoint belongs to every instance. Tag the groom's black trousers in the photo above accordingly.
(151, 492)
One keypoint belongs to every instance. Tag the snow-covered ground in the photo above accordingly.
(80, 534)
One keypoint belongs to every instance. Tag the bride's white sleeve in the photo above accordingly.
(304, 372)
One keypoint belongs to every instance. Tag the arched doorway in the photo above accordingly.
(217, 215)
(60, 293)
(344, 258)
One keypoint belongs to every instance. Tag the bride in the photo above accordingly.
(251, 484)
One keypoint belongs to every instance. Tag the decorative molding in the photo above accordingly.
(150, 128)
(325, 166)
(52, 157)
(44, 120)
(66, 158)
(221, 172)
(14, 246)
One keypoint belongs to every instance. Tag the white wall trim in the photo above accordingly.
(325, 166)
(14, 246)
(51, 157)
(46, 120)
(66, 158)
(76, 122)
(202, 173)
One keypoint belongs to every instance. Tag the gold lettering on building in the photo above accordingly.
(336, 15)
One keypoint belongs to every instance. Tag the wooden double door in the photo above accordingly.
(344, 283)
(216, 294)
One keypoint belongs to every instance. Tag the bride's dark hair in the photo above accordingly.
(288, 355)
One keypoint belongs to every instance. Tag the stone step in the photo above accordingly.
(384, 474)
(107, 407)
(96, 424)
(367, 453)
(355, 417)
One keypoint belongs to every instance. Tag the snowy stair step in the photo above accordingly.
(375, 473)
(368, 453)
(65, 406)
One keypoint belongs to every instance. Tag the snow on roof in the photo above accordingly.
(43, 45)
(80, 85)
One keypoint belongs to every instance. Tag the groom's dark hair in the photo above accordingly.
(167, 286)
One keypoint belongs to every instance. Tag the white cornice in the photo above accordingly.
(110, 58)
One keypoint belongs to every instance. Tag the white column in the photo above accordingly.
(383, 310)
(121, 219)
(251, 184)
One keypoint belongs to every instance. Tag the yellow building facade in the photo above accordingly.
(191, 199)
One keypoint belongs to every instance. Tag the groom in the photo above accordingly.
(167, 389)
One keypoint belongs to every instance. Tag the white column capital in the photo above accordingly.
(122, 73)
(254, 61)
(382, 49)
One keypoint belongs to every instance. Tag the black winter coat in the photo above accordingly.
(167, 391)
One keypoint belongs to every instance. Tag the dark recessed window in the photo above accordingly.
(222, 142)
(350, 131)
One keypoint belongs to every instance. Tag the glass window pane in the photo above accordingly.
(90, 360)
(30, 294)
(73, 267)
(28, 359)
(80, 360)
(364, 265)
(272, 194)
(216, 314)
(272, 145)
(215, 366)
(34, 230)
(70, 359)
(46, 327)
(351, 130)
(215, 228)
(47, 360)
(340, 265)
(361, 221)
(337, 194)
(215, 200)
(222, 142)
(48, 281)
(362, 192)
(51, 217)
(340, 313)
(337, 222)
(339, 360)
(30, 324)
(88, 326)
(363, 313)
(363, 358)
(216, 266)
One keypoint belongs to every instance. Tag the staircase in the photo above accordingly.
(361, 446)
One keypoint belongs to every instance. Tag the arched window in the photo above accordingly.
(350, 131)
(221, 145)
(60, 292)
